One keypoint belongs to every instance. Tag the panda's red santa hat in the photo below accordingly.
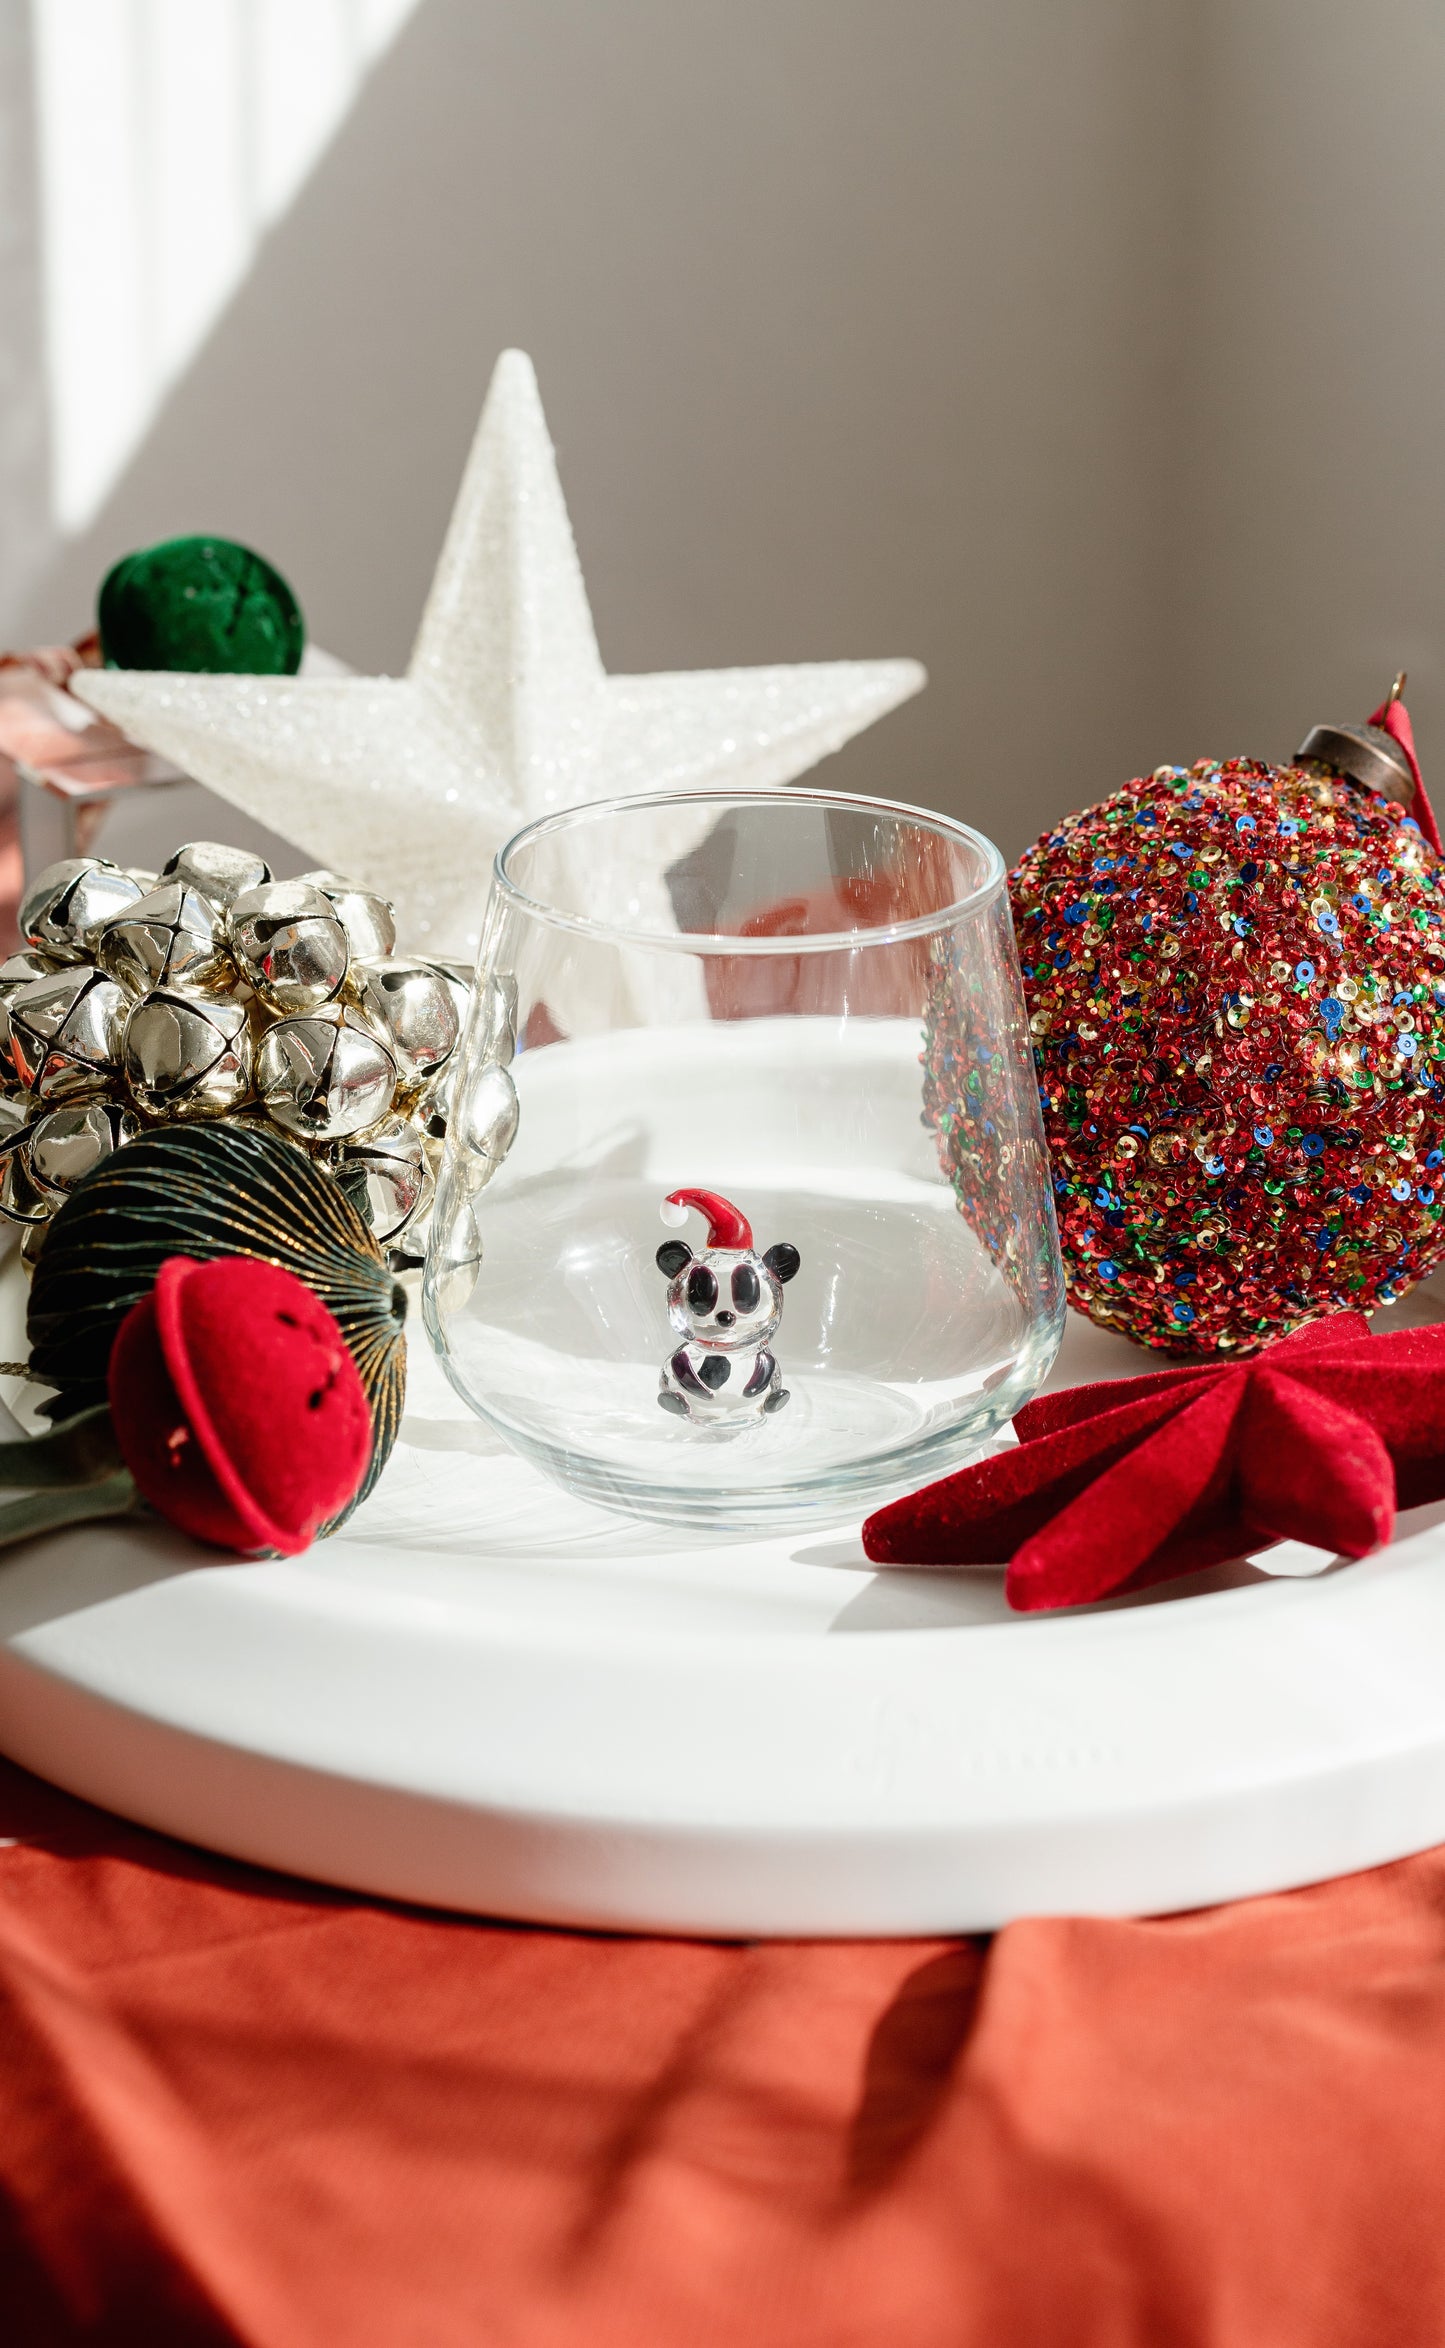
(726, 1227)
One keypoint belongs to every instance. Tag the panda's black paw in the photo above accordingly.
(776, 1399)
(674, 1403)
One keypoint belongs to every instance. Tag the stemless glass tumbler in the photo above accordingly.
(806, 1007)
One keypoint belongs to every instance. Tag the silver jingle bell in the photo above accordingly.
(65, 1144)
(67, 902)
(290, 945)
(324, 1074)
(454, 1250)
(21, 1200)
(386, 1176)
(187, 1055)
(219, 872)
(414, 1006)
(65, 1033)
(171, 937)
(16, 971)
(496, 1017)
(367, 919)
(492, 1038)
(432, 1109)
(485, 1114)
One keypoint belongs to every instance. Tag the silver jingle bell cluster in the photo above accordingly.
(210, 990)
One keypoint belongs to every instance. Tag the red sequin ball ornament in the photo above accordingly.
(1235, 977)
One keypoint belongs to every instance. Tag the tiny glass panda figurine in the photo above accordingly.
(724, 1303)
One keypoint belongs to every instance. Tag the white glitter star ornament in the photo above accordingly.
(410, 784)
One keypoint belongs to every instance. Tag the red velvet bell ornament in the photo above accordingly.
(235, 1408)
(1235, 979)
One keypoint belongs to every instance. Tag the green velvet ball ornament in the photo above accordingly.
(200, 603)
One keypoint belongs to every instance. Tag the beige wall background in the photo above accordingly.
(1308, 529)
(1090, 350)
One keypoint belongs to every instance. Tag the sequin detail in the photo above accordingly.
(1240, 1054)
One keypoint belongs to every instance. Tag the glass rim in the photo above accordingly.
(919, 925)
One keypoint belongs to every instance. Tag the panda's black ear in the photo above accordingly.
(672, 1255)
(782, 1261)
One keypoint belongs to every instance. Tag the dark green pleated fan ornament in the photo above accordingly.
(200, 603)
(208, 1191)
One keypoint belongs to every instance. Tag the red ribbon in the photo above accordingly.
(1394, 718)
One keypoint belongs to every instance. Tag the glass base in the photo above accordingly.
(848, 1423)
(902, 1344)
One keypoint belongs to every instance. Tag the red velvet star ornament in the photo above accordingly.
(1127, 1482)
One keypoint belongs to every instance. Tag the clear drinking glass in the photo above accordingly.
(809, 1007)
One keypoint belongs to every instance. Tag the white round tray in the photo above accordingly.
(486, 1696)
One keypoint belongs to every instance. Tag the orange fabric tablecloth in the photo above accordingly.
(238, 2109)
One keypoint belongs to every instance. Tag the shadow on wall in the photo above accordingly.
(848, 323)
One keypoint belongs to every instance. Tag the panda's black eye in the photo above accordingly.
(701, 1289)
(745, 1289)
